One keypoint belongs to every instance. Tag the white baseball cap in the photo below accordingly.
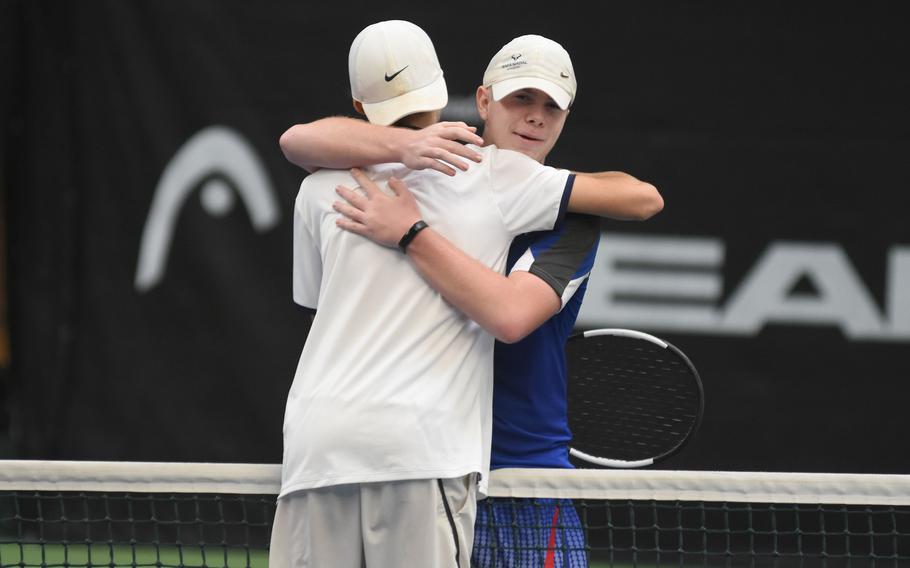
(532, 62)
(394, 72)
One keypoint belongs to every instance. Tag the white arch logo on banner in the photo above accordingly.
(216, 149)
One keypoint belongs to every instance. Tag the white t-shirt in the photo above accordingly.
(393, 382)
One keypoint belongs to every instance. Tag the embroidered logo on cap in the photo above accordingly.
(395, 74)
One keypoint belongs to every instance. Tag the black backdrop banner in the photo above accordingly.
(150, 213)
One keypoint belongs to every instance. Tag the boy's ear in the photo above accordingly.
(483, 101)
(358, 106)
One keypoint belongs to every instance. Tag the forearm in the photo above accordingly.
(339, 142)
(508, 308)
(616, 195)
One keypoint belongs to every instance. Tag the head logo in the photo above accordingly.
(516, 56)
(676, 284)
(206, 158)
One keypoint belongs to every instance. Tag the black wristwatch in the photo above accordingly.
(409, 236)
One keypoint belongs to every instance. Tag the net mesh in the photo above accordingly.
(657, 533)
(205, 515)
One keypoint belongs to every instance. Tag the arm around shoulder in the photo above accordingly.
(507, 307)
(616, 195)
(339, 142)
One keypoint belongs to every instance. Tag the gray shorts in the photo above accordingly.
(425, 522)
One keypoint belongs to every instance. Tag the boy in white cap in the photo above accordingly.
(393, 388)
(526, 92)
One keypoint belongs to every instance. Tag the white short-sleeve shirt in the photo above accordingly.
(393, 382)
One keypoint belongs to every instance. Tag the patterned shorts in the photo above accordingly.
(528, 533)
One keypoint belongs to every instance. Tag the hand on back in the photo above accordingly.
(380, 217)
(439, 147)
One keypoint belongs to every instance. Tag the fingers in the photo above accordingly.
(363, 181)
(463, 151)
(349, 212)
(463, 132)
(431, 164)
(351, 196)
(447, 154)
(452, 159)
(468, 137)
(444, 155)
(439, 147)
(348, 225)
(399, 187)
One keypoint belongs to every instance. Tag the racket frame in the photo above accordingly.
(631, 464)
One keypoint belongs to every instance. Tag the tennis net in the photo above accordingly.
(74, 514)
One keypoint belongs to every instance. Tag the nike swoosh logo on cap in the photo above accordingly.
(395, 74)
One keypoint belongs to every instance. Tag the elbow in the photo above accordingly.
(289, 140)
(652, 204)
(294, 144)
(511, 331)
(507, 336)
(521, 313)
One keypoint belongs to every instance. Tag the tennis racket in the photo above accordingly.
(633, 399)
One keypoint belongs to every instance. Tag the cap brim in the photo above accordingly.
(559, 95)
(431, 97)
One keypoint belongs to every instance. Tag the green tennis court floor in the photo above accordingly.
(77, 555)
(81, 555)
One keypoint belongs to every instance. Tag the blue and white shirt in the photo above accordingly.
(530, 422)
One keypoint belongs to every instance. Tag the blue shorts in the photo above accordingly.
(528, 533)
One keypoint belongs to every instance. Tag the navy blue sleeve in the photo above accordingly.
(564, 203)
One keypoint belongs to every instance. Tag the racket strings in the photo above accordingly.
(630, 399)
